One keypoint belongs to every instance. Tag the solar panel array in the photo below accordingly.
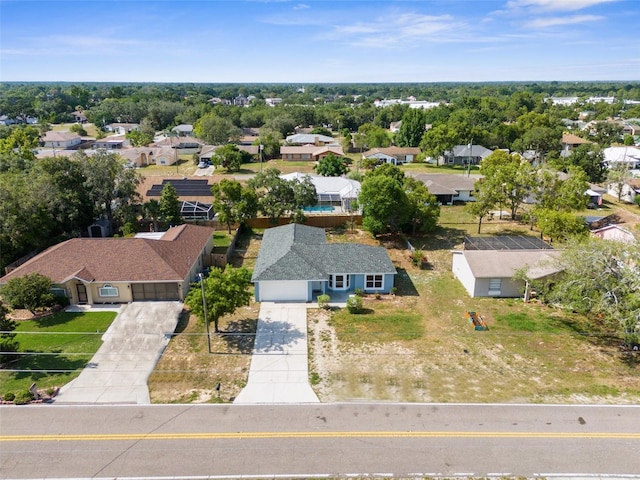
(184, 188)
(506, 242)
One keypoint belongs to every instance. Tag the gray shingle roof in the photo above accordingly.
(300, 252)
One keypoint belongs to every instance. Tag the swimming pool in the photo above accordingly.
(319, 208)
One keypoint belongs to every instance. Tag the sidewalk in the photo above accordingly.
(279, 371)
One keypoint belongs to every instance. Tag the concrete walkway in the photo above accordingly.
(134, 342)
(279, 371)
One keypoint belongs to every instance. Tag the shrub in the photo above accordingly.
(359, 292)
(323, 301)
(9, 397)
(393, 290)
(23, 397)
(354, 304)
(417, 257)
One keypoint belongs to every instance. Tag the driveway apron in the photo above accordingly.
(132, 345)
(279, 371)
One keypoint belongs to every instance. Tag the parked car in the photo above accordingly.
(203, 164)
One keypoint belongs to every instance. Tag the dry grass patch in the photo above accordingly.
(188, 373)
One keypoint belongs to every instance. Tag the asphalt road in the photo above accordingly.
(402, 440)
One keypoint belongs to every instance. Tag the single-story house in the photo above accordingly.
(627, 155)
(393, 155)
(449, 187)
(143, 156)
(489, 273)
(121, 128)
(487, 265)
(53, 139)
(113, 142)
(187, 189)
(185, 144)
(571, 141)
(614, 232)
(121, 270)
(334, 191)
(630, 189)
(463, 155)
(183, 130)
(295, 262)
(309, 152)
(310, 139)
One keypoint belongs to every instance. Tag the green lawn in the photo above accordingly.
(55, 349)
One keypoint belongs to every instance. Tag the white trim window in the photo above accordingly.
(339, 281)
(107, 290)
(374, 282)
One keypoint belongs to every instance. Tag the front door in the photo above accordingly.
(82, 292)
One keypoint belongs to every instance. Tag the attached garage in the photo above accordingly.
(154, 291)
(283, 290)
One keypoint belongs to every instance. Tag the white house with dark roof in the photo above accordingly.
(449, 187)
(295, 262)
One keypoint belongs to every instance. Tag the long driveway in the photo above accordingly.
(132, 345)
(279, 371)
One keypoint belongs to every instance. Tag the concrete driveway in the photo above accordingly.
(279, 371)
(132, 345)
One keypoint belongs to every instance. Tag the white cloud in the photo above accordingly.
(401, 29)
(558, 21)
(554, 5)
(301, 6)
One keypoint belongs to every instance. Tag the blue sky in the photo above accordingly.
(319, 41)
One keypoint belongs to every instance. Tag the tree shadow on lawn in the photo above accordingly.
(50, 364)
(240, 335)
(442, 238)
(57, 318)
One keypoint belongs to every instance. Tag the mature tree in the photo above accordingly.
(217, 130)
(590, 158)
(275, 195)
(542, 140)
(224, 291)
(562, 194)
(283, 123)
(32, 291)
(487, 197)
(151, 211)
(331, 166)
(509, 177)
(22, 140)
(613, 297)
(411, 128)
(79, 129)
(388, 170)
(8, 343)
(138, 138)
(270, 141)
(233, 203)
(607, 133)
(321, 131)
(110, 185)
(228, 156)
(59, 182)
(558, 225)
(373, 136)
(170, 205)
(618, 176)
(424, 209)
(439, 139)
(385, 207)
(304, 193)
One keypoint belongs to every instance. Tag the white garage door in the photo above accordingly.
(283, 291)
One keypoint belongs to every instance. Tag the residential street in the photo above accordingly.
(402, 440)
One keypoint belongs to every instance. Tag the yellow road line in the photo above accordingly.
(281, 435)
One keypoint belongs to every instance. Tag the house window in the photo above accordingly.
(59, 292)
(108, 291)
(339, 282)
(373, 282)
(495, 286)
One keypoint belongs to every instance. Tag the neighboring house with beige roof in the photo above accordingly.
(449, 187)
(121, 270)
(393, 155)
(143, 156)
(113, 142)
(309, 152)
(53, 139)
